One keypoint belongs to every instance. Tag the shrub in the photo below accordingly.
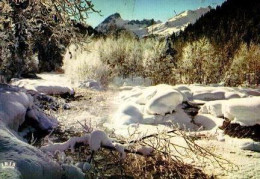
(118, 56)
(245, 68)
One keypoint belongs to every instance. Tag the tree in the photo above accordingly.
(34, 34)
(199, 63)
(245, 68)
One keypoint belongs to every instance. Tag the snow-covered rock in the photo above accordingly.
(208, 95)
(70, 144)
(251, 145)
(244, 111)
(50, 84)
(213, 107)
(71, 171)
(16, 106)
(91, 84)
(30, 162)
(164, 101)
(99, 138)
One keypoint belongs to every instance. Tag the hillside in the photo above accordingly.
(233, 22)
(178, 22)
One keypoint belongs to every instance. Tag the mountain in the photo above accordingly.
(177, 23)
(115, 22)
(151, 27)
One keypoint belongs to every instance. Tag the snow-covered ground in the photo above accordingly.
(145, 110)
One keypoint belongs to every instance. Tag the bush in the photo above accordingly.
(120, 56)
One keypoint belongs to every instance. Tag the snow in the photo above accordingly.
(70, 144)
(54, 84)
(97, 139)
(121, 149)
(213, 107)
(244, 111)
(208, 122)
(86, 167)
(253, 146)
(15, 105)
(177, 23)
(128, 114)
(145, 150)
(164, 101)
(30, 162)
(208, 95)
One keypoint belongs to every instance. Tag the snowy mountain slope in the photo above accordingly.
(148, 27)
(177, 23)
(115, 22)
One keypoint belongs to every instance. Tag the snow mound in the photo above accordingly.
(164, 101)
(16, 106)
(244, 111)
(208, 122)
(253, 146)
(128, 114)
(49, 84)
(208, 95)
(213, 107)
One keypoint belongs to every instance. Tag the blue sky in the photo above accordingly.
(145, 9)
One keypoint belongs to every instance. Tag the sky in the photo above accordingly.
(145, 9)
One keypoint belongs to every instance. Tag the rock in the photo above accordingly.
(72, 172)
(30, 162)
(91, 84)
